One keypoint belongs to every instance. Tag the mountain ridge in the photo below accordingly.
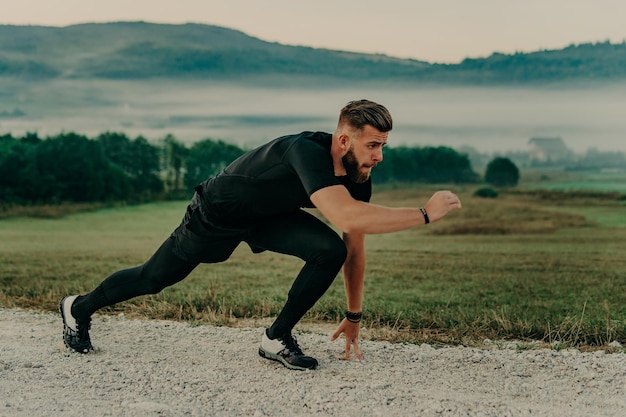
(144, 50)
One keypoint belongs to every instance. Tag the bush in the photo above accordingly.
(502, 172)
(486, 192)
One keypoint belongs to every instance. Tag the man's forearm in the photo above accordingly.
(354, 272)
(358, 217)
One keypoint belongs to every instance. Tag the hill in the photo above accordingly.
(143, 50)
(140, 50)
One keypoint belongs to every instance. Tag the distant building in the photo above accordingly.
(548, 150)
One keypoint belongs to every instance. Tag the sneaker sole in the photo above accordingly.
(278, 358)
(62, 310)
(65, 327)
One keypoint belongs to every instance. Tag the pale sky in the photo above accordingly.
(429, 30)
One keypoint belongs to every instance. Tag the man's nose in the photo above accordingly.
(378, 155)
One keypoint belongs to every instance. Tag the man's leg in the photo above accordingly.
(163, 269)
(324, 252)
(193, 242)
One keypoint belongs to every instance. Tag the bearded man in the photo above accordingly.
(259, 199)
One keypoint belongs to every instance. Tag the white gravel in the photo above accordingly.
(160, 368)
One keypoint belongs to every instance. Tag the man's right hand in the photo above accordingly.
(440, 204)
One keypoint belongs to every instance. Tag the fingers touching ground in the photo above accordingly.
(351, 333)
(357, 353)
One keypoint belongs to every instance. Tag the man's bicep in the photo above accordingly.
(332, 202)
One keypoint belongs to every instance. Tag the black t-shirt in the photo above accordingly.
(275, 178)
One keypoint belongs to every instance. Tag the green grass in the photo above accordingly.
(603, 181)
(528, 265)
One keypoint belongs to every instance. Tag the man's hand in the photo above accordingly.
(351, 331)
(440, 204)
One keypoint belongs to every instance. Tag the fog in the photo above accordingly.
(487, 119)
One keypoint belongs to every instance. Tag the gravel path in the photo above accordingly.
(159, 368)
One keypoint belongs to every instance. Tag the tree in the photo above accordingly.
(137, 159)
(116, 147)
(429, 164)
(13, 158)
(502, 172)
(72, 168)
(206, 158)
(173, 158)
(147, 166)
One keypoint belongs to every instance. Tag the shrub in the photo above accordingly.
(486, 192)
(502, 172)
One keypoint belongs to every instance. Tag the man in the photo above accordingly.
(258, 199)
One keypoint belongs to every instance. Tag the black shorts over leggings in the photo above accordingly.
(195, 241)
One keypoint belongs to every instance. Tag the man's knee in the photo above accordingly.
(153, 282)
(331, 251)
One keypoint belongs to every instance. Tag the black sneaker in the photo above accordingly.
(286, 351)
(75, 332)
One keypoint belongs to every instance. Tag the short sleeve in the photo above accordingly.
(312, 163)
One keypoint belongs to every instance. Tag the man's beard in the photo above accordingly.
(352, 168)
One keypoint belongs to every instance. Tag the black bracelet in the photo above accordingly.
(353, 317)
(426, 219)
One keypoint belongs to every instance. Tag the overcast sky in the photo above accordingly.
(429, 30)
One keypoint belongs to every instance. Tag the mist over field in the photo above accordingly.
(199, 81)
(489, 119)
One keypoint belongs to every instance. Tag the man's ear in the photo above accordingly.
(344, 142)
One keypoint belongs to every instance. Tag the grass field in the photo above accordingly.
(529, 265)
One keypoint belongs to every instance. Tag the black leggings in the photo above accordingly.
(299, 234)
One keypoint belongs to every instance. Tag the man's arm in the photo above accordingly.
(354, 271)
(353, 277)
(357, 217)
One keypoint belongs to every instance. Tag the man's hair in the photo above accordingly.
(360, 113)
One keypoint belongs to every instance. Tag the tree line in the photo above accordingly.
(70, 167)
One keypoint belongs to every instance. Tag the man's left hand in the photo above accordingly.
(351, 331)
